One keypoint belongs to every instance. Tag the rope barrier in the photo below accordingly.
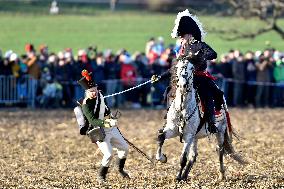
(231, 80)
(251, 82)
(225, 79)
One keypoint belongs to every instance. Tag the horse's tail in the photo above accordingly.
(229, 149)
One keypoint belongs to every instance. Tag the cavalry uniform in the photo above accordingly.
(211, 96)
(198, 53)
(95, 119)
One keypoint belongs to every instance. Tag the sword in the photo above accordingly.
(137, 149)
(140, 151)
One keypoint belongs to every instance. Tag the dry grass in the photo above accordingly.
(43, 149)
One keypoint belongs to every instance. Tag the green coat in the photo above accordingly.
(88, 108)
(278, 72)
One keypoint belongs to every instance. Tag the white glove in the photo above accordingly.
(111, 122)
(154, 78)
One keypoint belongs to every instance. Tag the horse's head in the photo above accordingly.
(184, 76)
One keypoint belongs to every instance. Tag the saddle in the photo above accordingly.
(218, 114)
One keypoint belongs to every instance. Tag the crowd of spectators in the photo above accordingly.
(254, 78)
(57, 73)
(251, 79)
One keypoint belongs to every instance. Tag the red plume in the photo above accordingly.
(85, 74)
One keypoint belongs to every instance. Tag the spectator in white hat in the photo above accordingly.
(13, 61)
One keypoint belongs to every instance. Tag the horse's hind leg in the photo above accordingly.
(220, 149)
(191, 159)
(183, 160)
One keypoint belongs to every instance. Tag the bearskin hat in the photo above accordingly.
(186, 23)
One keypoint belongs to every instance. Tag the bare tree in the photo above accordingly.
(268, 11)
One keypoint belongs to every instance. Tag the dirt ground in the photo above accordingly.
(43, 149)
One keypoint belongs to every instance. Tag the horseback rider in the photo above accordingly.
(95, 119)
(192, 48)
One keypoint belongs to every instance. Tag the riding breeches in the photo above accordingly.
(113, 139)
(210, 95)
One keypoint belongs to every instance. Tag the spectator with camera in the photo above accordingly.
(63, 74)
(128, 75)
(264, 64)
(143, 72)
(250, 75)
(98, 70)
(238, 69)
(31, 62)
(112, 76)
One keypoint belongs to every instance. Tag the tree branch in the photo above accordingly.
(248, 35)
(279, 30)
(220, 31)
(259, 8)
(234, 3)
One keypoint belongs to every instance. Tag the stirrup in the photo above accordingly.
(212, 128)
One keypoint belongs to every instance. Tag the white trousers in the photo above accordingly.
(112, 140)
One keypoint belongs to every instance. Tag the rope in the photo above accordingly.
(121, 92)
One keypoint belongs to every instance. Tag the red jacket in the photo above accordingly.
(128, 75)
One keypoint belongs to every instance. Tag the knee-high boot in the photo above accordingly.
(210, 113)
(102, 173)
(120, 164)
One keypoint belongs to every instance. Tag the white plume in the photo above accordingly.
(174, 33)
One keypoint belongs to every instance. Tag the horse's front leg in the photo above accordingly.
(191, 158)
(220, 149)
(161, 139)
(168, 132)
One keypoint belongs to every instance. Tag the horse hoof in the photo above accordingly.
(178, 179)
(181, 179)
(222, 177)
(163, 158)
(184, 179)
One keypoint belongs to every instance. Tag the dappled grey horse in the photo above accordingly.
(183, 119)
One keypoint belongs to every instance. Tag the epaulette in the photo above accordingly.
(84, 101)
(79, 102)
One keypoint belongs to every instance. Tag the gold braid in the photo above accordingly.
(188, 54)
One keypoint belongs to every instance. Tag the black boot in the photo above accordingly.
(212, 128)
(211, 124)
(120, 164)
(102, 174)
